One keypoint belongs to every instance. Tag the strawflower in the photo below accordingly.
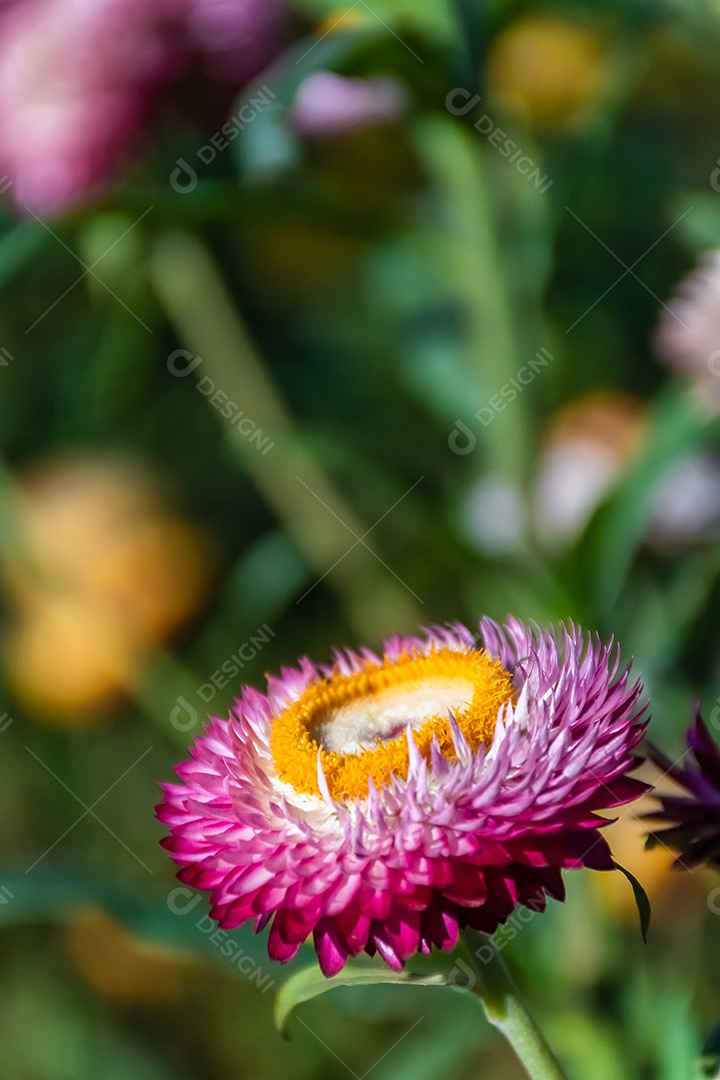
(388, 801)
(693, 819)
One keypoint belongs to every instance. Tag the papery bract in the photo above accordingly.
(499, 757)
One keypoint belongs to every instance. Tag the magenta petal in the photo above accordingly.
(402, 931)
(353, 929)
(440, 926)
(278, 948)
(386, 950)
(330, 953)
(468, 888)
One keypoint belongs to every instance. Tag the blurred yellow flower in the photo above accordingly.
(548, 72)
(345, 19)
(123, 968)
(104, 573)
(67, 663)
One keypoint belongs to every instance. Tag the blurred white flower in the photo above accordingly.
(588, 446)
(687, 502)
(494, 516)
(574, 478)
(687, 337)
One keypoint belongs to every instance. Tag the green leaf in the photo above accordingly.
(19, 246)
(433, 19)
(172, 920)
(710, 1060)
(641, 899)
(699, 230)
(310, 983)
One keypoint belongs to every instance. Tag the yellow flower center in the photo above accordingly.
(358, 722)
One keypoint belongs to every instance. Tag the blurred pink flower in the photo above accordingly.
(78, 79)
(237, 37)
(329, 104)
(75, 81)
(687, 337)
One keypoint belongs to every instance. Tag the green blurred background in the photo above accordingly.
(454, 404)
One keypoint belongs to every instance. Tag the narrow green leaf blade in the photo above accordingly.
(641, 899)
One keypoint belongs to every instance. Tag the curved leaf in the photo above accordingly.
(641, 899)
(310, 983)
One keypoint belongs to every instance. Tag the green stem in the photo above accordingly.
(505, 1010)
(458, 163)
(291, 480)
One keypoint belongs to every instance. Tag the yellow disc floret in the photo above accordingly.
(357, 723)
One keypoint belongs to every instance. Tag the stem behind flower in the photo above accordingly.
(505, 1010)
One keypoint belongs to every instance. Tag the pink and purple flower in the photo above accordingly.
(387, 801)
(79, 80)
(692, 821)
